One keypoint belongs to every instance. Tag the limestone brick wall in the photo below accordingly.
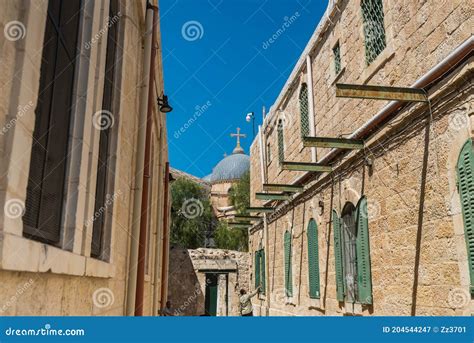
(187, 286)
(41, 279)
(411, 186)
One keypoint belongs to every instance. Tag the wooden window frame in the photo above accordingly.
(50, 153)
(101, 227)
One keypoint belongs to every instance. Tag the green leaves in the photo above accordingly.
(191, 214)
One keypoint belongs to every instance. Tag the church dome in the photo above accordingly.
(232, 167)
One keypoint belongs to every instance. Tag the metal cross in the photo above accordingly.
(238, 135)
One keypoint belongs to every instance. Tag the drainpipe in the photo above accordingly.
(146, 177)
(157, 278)
(309, 82)
(265, 224)
(166, 215)
(140, 158)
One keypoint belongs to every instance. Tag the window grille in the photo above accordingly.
(374, 31)
(281, 143)
(269, 153)
(304, 110)
(337, 58)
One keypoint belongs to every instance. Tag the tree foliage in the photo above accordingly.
(230, 238)
(233, 238)
(191, 214)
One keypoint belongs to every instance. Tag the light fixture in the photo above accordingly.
(163, 103)
(250, 117)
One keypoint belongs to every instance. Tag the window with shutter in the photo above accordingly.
(281, 142)
(336, 226)
(288, 268)
(103, 169)
(49, 152)
(313, 259)
(465, 174)
(364, 277)
(349, 251)
(304, 116)
(257, 268)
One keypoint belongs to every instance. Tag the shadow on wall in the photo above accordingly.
(184, 290)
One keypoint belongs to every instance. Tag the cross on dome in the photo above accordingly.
(238, 149)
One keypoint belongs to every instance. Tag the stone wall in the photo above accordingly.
(418, 251)
(42, 279)
(187, 283)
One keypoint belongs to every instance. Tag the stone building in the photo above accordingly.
(82, 142)
(207, 281)
(384, 227)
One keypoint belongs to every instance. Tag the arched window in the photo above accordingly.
(349, 235)
(465, 173)
(304, 113)
(313, 259)
(281, 142)
(288, 269)
(352, 253)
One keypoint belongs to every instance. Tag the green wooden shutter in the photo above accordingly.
(313, 260)
(364, 277)
(257, 268)
(288, 271)
(336, 225)
(262, 273)
(465, 171)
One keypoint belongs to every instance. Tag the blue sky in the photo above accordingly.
(219, 64)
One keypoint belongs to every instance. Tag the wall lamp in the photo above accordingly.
(163, 103)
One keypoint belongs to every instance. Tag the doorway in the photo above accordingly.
(211, 294)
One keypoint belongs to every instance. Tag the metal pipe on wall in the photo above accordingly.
(140, 158)
(309, 82)
(265, 224)
(166, 217)
(157, 277)
(142, 244)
